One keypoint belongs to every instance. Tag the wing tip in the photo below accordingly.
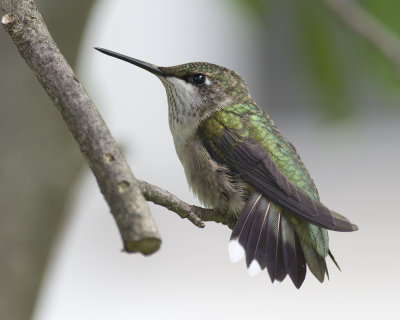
(342, 223)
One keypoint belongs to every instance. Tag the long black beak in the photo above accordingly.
(144, 65)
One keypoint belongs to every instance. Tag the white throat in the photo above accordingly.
(183, 109)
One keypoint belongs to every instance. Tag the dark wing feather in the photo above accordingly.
(253, 163)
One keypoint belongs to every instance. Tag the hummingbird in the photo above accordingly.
(237, 162)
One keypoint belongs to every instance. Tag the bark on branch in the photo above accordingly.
(125, 194)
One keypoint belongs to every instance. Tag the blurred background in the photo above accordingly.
(326, 71)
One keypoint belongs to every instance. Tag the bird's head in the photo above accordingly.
(195, 90)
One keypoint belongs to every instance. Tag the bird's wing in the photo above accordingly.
(253, 163)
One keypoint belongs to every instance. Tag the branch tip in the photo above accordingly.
(144, 246)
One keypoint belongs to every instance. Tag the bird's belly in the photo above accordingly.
(213, 183)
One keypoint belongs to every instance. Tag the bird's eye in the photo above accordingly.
(199, 79)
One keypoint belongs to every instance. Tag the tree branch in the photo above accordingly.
(116, 181)
(371, 29)
(124, 193)
(194, 213)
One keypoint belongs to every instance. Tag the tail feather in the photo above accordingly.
(243, 224)
(241, 230)
(293, 257)
(255, 243)
(275, 265)
(261, 250)
(334, 260)
(268, 239)
(315, 262)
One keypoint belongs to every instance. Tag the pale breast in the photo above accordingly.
(213, 183)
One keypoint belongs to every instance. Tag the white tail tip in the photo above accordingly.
(254, 268)
(236, 251)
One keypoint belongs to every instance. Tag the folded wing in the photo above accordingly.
(249, 159)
